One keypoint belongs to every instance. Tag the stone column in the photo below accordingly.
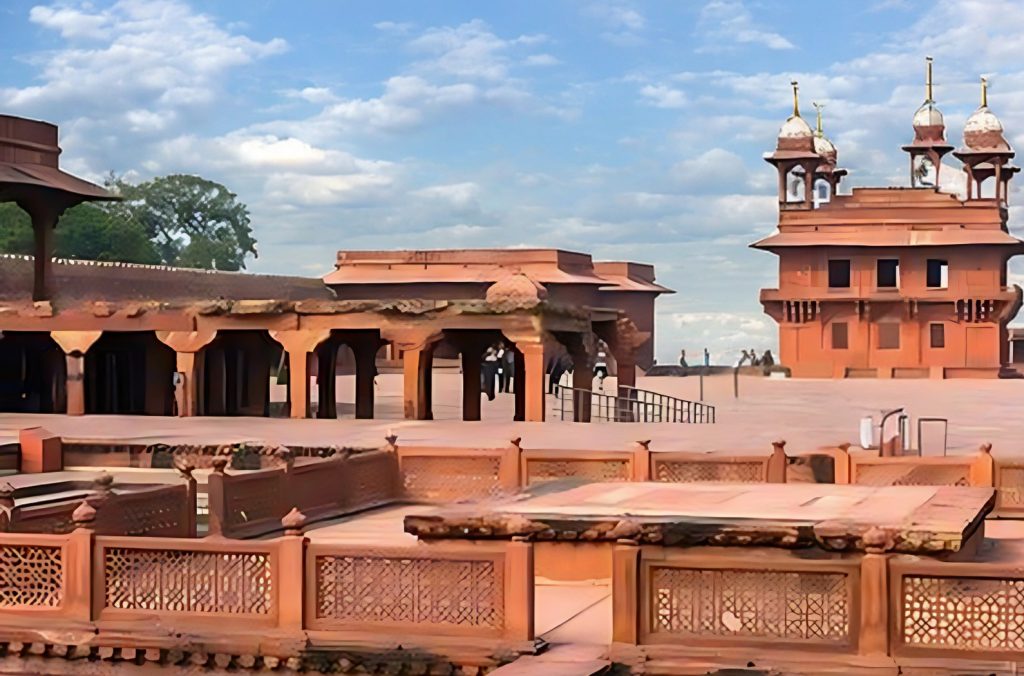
(417, 347)
(326, 369)
(364, 345)
(75, 344)
(44, 215)
(299, 345)
(471, 349)
(519, 385)
(531, 345)
(186, 345)
(581, 349)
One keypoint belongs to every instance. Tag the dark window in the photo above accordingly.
(889, 336)
(938, 334)
(937, 274)
(888, 273)
(840, 336)
(839, 274)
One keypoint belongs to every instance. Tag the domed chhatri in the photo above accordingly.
(983, 131)
(929, 144)
(822, 145)
(795, 157)
(986, 153)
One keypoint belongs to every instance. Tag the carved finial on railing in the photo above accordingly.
(516, 441)
(7, 494)
(779, 446)
(845, 446)
(285, 455)
(392, 440)
(103, 483)
(986, 448)
(184, 468)
(644, 444)
(293, 522)
(84, 515)
(219, 464)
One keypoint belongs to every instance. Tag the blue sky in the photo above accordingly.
(627, 129)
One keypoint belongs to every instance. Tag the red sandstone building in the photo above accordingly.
(84, 337)
(894, 282)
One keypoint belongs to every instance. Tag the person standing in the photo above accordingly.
(707, 357)
(490, 371)
(682, 359)
(601, 367)
(507, 365)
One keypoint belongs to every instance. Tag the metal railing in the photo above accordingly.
(630, 405)
(673, 409)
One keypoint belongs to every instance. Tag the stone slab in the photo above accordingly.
(908, 519)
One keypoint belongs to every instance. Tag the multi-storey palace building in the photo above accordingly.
(898, 281)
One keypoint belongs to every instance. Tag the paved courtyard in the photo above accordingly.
(806, 413)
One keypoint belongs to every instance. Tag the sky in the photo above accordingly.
(629, 130)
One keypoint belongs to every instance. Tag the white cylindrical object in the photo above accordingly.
(867, 432)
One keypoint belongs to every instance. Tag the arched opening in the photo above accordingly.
(796, 180)
(236, 368)
(129, 372)
(33, 373)
(822, 192)
(465, 371)
(925, 174)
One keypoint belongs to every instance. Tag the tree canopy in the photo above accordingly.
(177, 220)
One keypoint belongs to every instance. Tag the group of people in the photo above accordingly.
(559, 365)
(748, 358)
(751, 357)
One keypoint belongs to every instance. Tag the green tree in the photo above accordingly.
(87, 231)
(192, 222)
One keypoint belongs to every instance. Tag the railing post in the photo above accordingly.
(873, 638)
(642, 461)
(519, 602)
(78, 584)
(841, 467)
(291, 571)
(983, 468)
(508, 471)
(216, 498)
(777, 463)
(625, 592)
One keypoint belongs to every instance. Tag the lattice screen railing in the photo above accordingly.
(401, 588)
(712, 605)
(229, 583)
(31, 576)
(707, 471)
(961, 614)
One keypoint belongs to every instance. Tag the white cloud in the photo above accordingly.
(459, 195)
(470, 50)
(663, 96)
(730, 22)
(158, 55)
(624, 23)
(540, 60)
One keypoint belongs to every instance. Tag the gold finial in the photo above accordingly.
(796, 101)
(818, 107)
(928, 81)
(984, 92)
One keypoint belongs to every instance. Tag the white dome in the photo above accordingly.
(795, 127)
(982, 120)
(823, 146)
(928, 116)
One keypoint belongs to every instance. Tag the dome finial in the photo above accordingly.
(984, 92)
(928, 98)
(796, 100)
(818, 107)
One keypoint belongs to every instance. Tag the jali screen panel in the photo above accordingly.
(164, 576)
(715, 605)
(959, 609)
(424, 592)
